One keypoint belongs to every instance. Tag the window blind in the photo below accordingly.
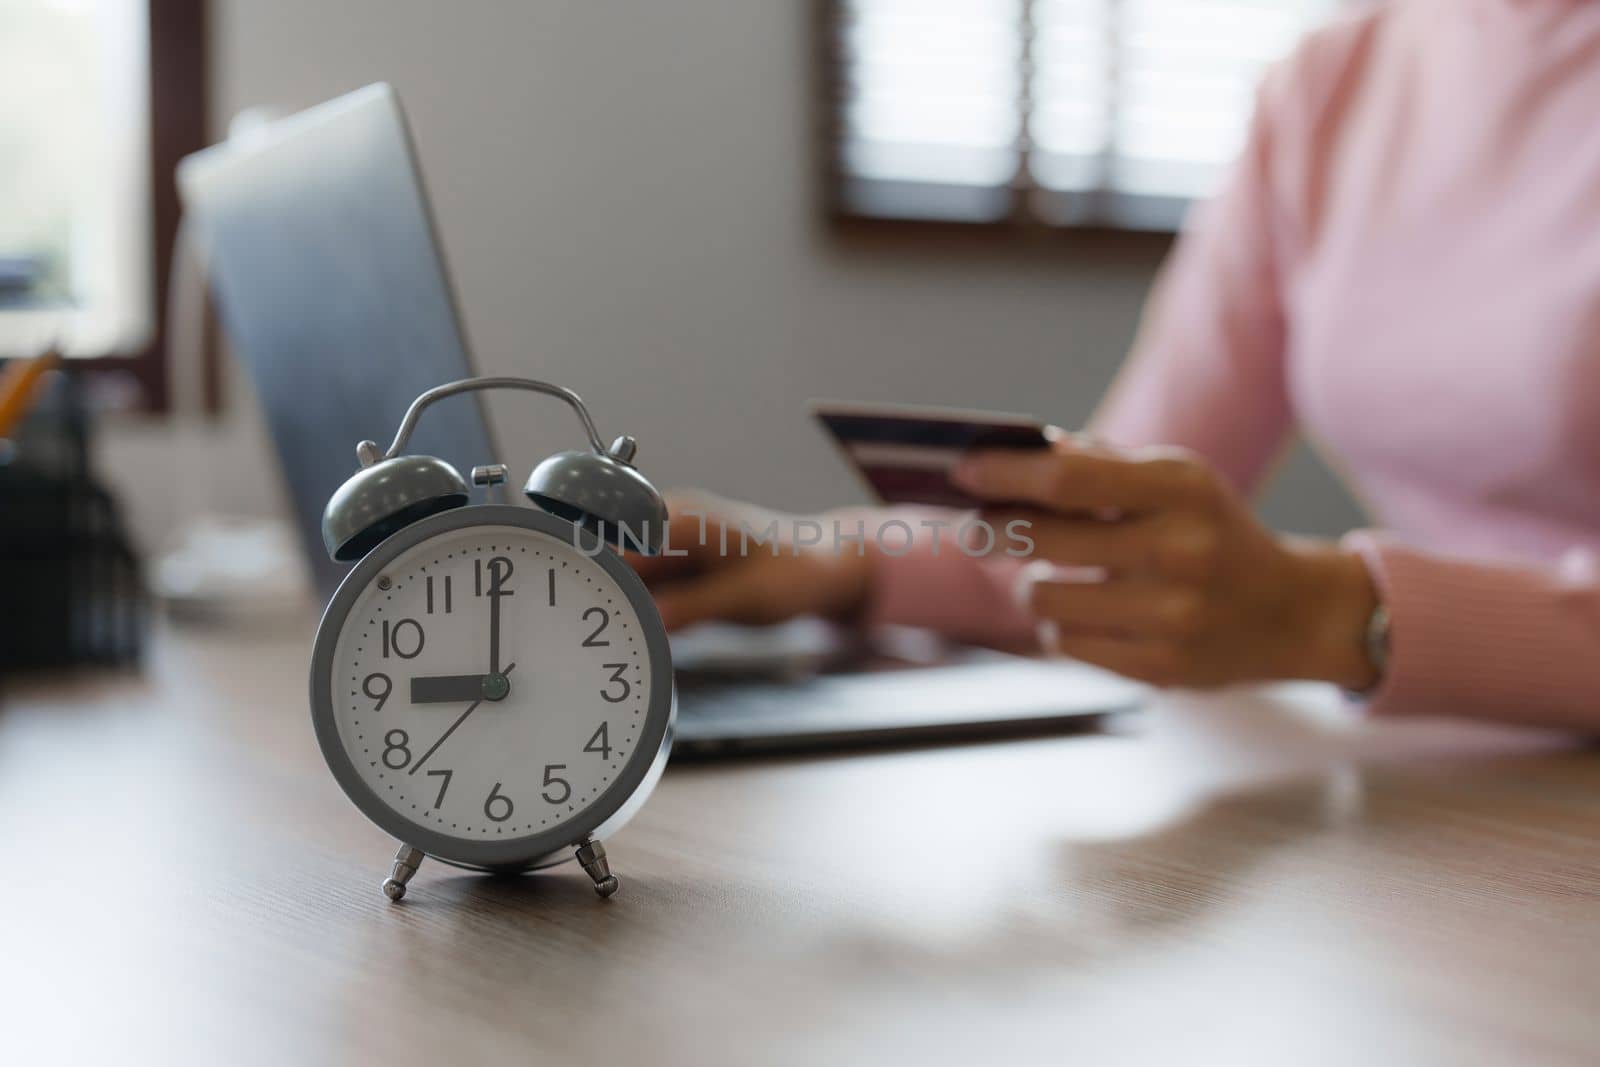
(1117, 112)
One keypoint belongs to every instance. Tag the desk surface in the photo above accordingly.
(1239, 879)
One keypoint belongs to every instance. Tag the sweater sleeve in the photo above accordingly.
(1206, 374)
(923, 577)
(1477, 639)
(1207, 370)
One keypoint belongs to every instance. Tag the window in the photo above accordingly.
(75, 136)
(1063, 112)
(98, 101)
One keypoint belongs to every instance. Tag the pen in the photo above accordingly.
(18, 384)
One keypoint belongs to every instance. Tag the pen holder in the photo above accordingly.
(70, 584)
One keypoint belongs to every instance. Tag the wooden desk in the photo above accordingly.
(1241, 880)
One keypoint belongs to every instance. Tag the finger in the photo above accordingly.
(1133, 610)
(728, 595)
(672, 562)
(1066, 478)
(654, 569)
(1118, 547)
(1152, 662)
(692, 530)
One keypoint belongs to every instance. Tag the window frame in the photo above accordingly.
(1020, 208)
(179, 87)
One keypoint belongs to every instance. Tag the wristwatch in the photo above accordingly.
(1377, 643)
(1375, 639)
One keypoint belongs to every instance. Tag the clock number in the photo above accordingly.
(499, 573)
(495, 796)
(385, 687)
(593, 640)
(551, 577)
(600, 742)
(396, 741)
(553, 779)
(443, 786)
(447, 606)
(394, 639)
(617, 670)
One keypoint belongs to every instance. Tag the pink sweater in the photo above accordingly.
(1405, 266)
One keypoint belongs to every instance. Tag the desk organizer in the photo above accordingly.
(70, 586)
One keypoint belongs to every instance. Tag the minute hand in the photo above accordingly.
(417, 766)
(499, 571)
(494, 624)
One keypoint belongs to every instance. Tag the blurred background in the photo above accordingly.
(698, 215)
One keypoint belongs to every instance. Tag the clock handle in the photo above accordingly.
(598, 489)
(469, 385)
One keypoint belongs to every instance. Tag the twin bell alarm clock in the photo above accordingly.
(491, 683)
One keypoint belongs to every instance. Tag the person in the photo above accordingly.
(1405, 266)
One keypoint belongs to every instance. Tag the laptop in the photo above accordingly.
(333, 289)
(320, 245)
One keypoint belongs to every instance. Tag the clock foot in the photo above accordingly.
(406, 862)
(592, 855)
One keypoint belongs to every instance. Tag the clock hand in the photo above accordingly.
(494, 622)
(456, 688)
(417, 766)
(446, 689)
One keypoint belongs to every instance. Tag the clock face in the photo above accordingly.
(491, 682)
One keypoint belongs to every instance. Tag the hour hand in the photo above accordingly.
(447, 689)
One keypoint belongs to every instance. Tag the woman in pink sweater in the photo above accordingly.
(1405, 265)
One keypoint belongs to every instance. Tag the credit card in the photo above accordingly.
(905, 454)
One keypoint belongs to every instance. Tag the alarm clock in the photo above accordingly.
(491, 683)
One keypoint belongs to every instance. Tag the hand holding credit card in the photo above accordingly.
(906, 454)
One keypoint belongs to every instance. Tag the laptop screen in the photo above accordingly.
(333, 290)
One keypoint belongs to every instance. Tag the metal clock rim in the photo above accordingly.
(533, 849)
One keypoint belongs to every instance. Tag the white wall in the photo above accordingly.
(627, 198)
